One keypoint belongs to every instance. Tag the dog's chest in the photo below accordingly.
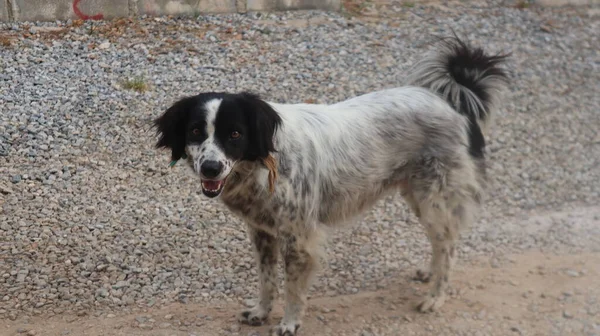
(249, 200)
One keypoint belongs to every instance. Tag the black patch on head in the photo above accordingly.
(257, 122)
(171, 125)
(260, 122)
(245, 113)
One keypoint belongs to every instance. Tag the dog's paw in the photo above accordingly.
(431, 303)
(285, 329)
(254, 317)
(422, 275)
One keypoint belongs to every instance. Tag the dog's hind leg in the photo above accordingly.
(423, 274)
(443, 214)
(267, 249)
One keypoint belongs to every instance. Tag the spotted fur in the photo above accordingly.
(335, 161)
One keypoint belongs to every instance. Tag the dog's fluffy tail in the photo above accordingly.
(470, 80)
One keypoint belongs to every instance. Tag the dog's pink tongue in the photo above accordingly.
(212, 185)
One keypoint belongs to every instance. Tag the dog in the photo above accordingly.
(294, 171)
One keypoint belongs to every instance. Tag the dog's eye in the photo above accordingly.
(195, 131)
(235, 135)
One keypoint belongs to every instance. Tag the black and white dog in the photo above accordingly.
(292, 171)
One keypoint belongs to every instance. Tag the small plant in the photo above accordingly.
(408, 4)
(522, 4)
(5, 41)
(355, 7)
(137, 84)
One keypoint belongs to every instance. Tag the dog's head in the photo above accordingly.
(216, 130)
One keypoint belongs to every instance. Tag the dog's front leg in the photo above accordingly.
(300, 265)
(267, 248)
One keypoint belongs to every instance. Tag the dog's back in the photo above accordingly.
(388, 135)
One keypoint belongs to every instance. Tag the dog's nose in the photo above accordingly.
(211, 169)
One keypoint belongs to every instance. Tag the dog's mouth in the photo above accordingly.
(212, 188)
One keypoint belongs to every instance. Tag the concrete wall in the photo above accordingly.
(3, 11)
(49, 10)
(555, 3)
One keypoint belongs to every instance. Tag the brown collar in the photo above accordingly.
(271, 165)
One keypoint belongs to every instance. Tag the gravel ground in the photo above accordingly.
(92, 218)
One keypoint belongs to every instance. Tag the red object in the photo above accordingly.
(83, 16)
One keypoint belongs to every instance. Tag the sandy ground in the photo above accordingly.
(523, 294)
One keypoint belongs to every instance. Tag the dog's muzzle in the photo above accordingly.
(210, 171)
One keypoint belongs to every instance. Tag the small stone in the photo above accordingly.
(567, 314)
(120, 284)
(545, 28)
(141, 319)
(111, 316)
(234, 328)
(102, 292)
(572, 273)
(494, 263)
(5, 190)
(169, 317)
(35, 30)
(21, 277)
(516, 330)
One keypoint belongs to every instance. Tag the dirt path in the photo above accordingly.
(533, 294)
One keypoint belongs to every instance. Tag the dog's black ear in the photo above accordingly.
(264, 122)
(170, 127)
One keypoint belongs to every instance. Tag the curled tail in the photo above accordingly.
(470, 80)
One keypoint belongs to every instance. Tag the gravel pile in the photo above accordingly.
(91, 217)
